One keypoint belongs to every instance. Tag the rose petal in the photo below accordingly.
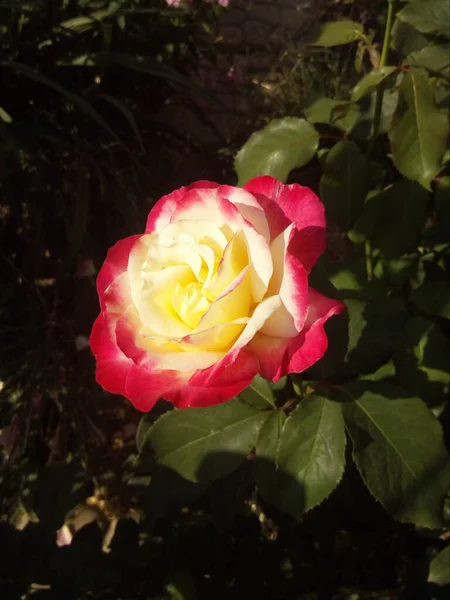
(248, 207)
(286, 204)
(261, 314)
(112, 365)
(279, 356)
(115, 264)
(290, 281)
(144, 387)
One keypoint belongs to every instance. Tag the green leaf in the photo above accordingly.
(265, 466)
(433, 298)
(435, 58)
(440, 568)
(311, 455)
(406, 39)
(393, 219)
(375, 330)
(283, 145)
(422, 363)
(182, 439)
(338, 113)
(258, 394)
(432, 16)
(399, 450)
(336, 33)
(371, 81)
(345, 183)
(419, 131)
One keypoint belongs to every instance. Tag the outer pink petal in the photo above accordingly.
(197, 397)
(286, 204)
(161, 214)
(203, 390)
(112, 365)
(144, 386)
(279, 356)
(115, 264)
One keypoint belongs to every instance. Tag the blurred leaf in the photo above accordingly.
(338, 113)
(440, 568)
(345, 183)
(436, 58)
(84, 23)
(180, 586)
(336, 33)
(76, 100)
(394, 219)
(406, 39)
(442, 204)
(433, 298)
(398, 271)
(127, 114)
(422, 362)
(141, 64)
(283, 145)
(371, 81)
(311, 455)
(419, 131)
(258, 394)
(399, 450)
(182, 439)
(4, 116)
(374, 332)
(432, 16)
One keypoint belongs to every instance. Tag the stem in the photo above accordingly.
(369, 265)
(377, 114)
(383, 59)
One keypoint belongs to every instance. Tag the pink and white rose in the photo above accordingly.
(213, 292)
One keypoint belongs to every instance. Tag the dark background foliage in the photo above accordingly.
(104, 107)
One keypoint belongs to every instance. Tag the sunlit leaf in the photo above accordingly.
(336, 33)
(435, 58)
(283, 145)
(311, 455)
(203, 444)
(399, 450)
(4, 116)
(371, 81)
(419, 131)
(432, 16)
(440, 568)
(258, 394)
(338, 113)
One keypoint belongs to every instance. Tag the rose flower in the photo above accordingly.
(213, 292)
